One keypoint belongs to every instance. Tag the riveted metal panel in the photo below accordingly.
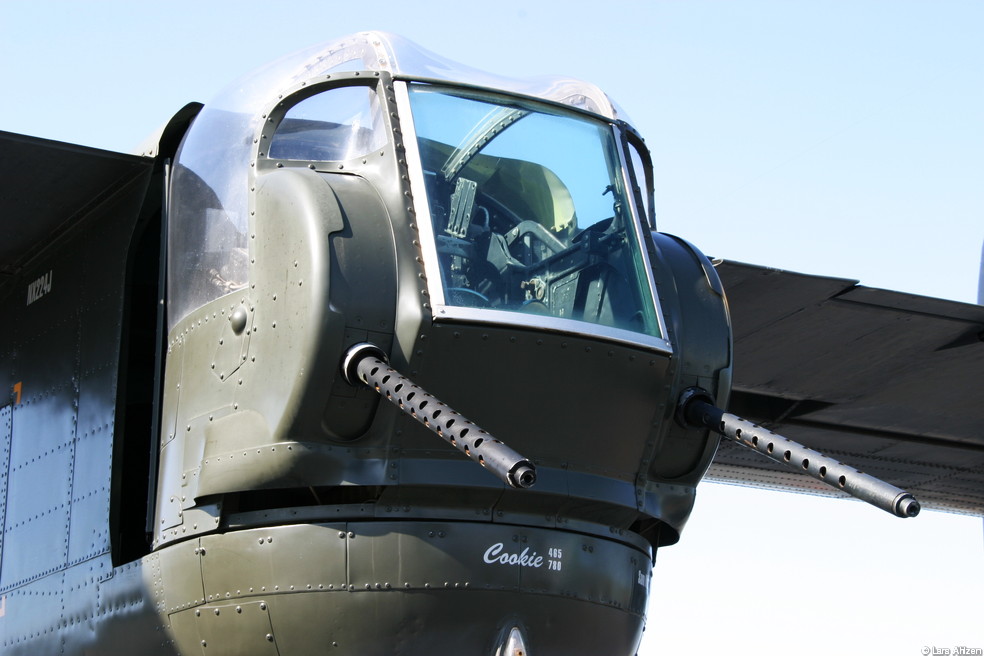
(124, 618)
(169, 487)
(5, 413)
(42, 445)
(93, 452)
(100, 330)
(79, 621)
(58, 589)
(91, 486)
(36, 540)
(456, 555)
(30, 612)
(185, 632)
(173, 364)
(89, 529)
(192, 403)
(38, 482)
(81, 592)
(312, 623)
(232, 348)
(427, 555)
(588, 419)
(42, 424)
(97, 398)
(443, 621)
(274, 560)
(46, 365)
(236, 629)
(154, 580)
(587, 568)
(270, 465)
(181, 570)
(34, 548)
(424, 584)
(170, 462)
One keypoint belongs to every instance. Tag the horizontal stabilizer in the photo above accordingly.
(46, 187)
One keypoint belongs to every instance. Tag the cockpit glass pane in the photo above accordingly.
(641, 183)
(337, 124)
(529, 210)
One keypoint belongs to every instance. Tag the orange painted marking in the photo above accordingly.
(17, 391)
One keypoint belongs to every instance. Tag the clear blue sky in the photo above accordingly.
(839, 138)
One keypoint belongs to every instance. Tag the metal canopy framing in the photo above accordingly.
(887, 382)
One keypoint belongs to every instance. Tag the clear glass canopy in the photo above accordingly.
(209, 210)
(530, 215)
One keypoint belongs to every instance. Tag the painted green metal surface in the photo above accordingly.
(292, 512)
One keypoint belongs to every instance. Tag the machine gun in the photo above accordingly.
(367, 363)
(696, 409)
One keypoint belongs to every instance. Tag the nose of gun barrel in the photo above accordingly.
(907, 506)
(522, 476)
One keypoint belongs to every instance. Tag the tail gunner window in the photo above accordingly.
(529, 211)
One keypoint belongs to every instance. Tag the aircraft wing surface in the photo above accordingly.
(46, 187)
(886, 382)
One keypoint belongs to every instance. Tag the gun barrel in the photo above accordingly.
(367, 363)
(696, 410)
